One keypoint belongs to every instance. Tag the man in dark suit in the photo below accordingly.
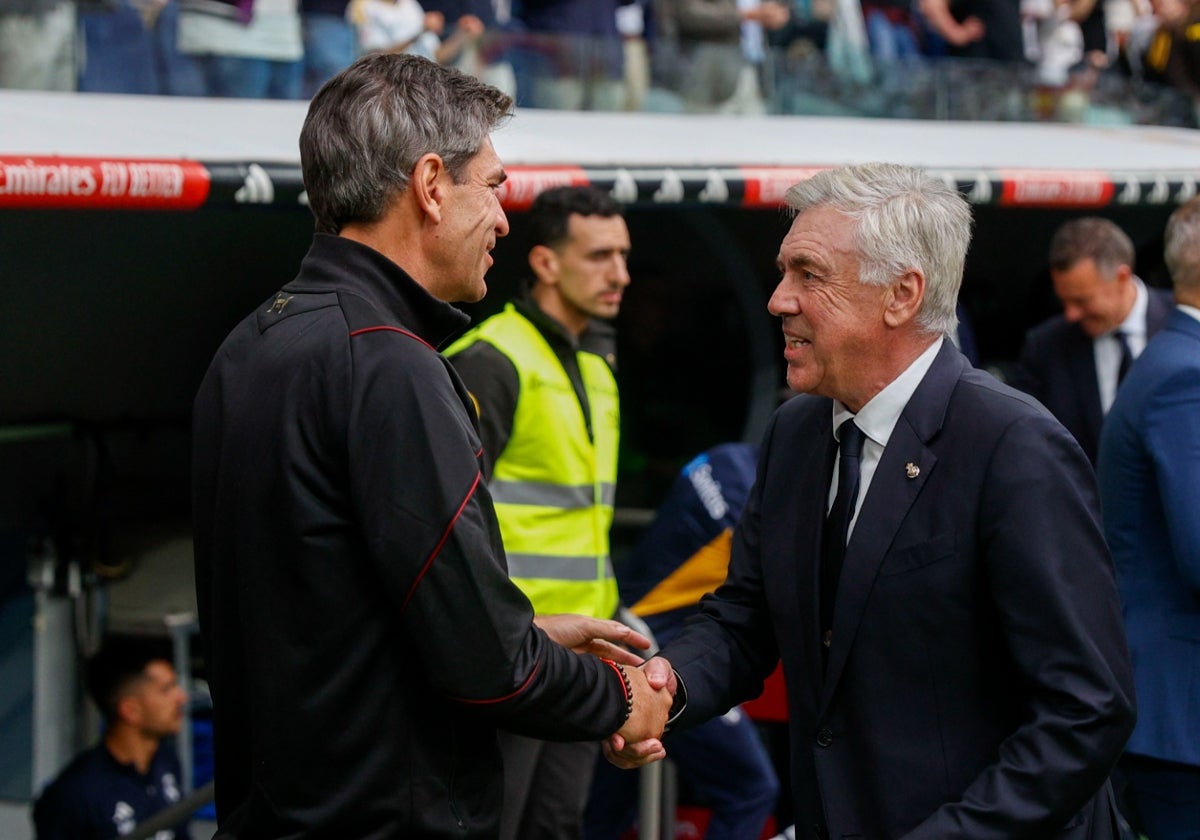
(1072, 362)
(1149, 473)
(956, 666)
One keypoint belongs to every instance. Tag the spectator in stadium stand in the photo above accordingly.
(1149, 471)
(362, 638)
(922, 549)
(245, 48)
(892, 28)
(549, 418)
(133, 773)
(807, 28)
(720, 50)
(580, 64)
(118, 50)
(981, 29)
(682, 555)
(485, 56)
(37, 45)
(1073, 362)
(131, 47)
(405, 26)
(758, 18)
(330, 42)
(1090, 15)
(1173, 56)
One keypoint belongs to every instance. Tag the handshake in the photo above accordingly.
(652, 684)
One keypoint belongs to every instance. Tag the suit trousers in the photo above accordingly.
(546, 787)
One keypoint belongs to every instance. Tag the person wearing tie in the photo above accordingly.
(1072, 362)
(956, 665)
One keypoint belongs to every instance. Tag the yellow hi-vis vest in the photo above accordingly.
(553, 487)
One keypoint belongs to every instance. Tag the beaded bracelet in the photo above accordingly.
(626, 687)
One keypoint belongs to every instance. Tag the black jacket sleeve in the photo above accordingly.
(434, 539)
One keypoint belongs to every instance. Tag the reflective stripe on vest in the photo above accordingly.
(550, 495)
(554, 488)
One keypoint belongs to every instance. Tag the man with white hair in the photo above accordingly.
(922, 549)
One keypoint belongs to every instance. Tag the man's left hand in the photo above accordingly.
(599, 636)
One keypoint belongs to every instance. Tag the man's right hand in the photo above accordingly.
(638, 742)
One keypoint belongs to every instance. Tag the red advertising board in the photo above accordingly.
(101, 183)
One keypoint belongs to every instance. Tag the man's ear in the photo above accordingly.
(904, 298)
(544, 262)
(428, 185)
(129, 710)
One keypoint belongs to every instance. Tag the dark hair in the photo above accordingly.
(552, 210)
(1094, 238)
(114, 671)
(369, 125)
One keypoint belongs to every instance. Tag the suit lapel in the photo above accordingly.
(906, 465)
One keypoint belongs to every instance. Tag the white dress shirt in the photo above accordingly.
(877, 419)
(1106, 350)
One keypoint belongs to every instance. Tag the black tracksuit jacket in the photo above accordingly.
(362, 639)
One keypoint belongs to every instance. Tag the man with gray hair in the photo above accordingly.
(362, 638)
(922, 549)
(1073, 362)
(1149, 471)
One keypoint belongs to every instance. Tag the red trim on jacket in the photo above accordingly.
(445, 536)
(521, 688)
(393, 329)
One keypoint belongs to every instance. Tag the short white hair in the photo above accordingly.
(904, 219)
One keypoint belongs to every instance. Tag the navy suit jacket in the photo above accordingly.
(1149, 484)
(1058, 367)
(978, 683)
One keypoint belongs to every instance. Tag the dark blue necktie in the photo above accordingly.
(1126, 355)
(837, 523)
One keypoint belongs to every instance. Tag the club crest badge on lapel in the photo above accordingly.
(912, 470)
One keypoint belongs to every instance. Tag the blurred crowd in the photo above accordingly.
(726, 56)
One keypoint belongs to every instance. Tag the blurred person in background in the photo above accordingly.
(981, 29)
(1173, 54)
(1073, 362)
(247, 49)
(1149, 473)
(330, 42)
(405, 26)
(133, 773)
(579, 62)
(37, 45)
(719, 49)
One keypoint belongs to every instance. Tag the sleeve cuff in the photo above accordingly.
(679, 704)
